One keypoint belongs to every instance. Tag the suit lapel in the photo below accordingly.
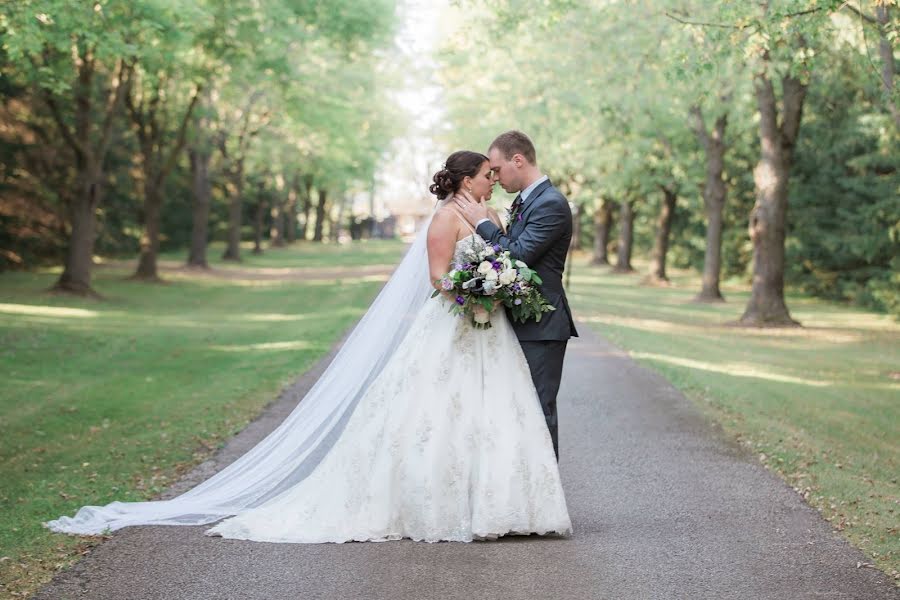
(535, 193)
(519, 224)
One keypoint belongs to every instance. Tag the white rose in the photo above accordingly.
(491, 275)
(507, 277)
(485, 268)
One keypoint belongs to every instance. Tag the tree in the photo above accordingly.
(887, 33)
(781, 43)
(603, 223)
(200, 154)
(79, 57)
(714, 192)
(147, 107)
(234, 150)
(663, 230)
(626, 237)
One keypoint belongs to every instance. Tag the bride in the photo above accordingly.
(422, 427)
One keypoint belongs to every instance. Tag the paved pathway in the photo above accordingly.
(663, 507)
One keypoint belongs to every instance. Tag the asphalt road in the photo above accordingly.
(662, 504)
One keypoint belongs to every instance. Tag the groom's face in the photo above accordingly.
(504, 170)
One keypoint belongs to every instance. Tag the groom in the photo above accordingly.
(538, 233)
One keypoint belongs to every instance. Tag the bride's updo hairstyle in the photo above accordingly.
(459, 165)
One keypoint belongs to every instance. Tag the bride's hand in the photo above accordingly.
(472, 209)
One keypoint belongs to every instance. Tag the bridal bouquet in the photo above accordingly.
(489, 277)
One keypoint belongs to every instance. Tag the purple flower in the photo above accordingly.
(460, 300)
(446, 284)
(516, 287)
(517, 301)
(497, 248)
(496, 264)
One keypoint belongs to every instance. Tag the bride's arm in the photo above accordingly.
(442, 234)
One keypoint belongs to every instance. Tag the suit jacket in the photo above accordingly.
(541, 240)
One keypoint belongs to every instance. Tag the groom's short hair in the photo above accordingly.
(514, 142)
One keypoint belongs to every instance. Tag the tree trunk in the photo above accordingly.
(147, 268)
(663, 230)
(200, 217)
(290, 232)
(320, 215)
(76, 276)
(714, 200)
(603, 221)
(338, 225)
(370, 221)
(626, 237)
(886, 51)
(258, 221)
(276, 231)
(768, 219)
(575, 242)
(235, 189)
(90, 155)
(234, 158)
(307, 205)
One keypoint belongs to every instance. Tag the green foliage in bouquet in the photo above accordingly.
(491, 277)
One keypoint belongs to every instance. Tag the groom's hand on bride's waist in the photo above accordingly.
(471, 209)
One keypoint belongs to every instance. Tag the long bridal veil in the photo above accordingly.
(290, 452)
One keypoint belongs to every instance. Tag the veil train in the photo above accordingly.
(291, 452)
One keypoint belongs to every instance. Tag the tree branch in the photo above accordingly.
(860, 13)
(136, 111)
(116, 97)
(886, 50)
(794, 92)
(80, 150)
(700, 126)
(767, 107)
(718, 136)
(182, 136)
(704, 23)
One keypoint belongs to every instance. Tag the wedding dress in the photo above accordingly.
(449, 443)
(421, 427)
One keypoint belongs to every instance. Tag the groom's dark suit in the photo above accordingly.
(541, 239)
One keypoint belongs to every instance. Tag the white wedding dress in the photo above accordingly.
(447, 443)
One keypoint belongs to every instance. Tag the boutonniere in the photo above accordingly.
(512, 213)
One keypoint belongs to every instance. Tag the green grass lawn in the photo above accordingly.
(303, 255)
(819, 404)
(115, 399)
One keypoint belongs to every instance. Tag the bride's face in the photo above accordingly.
(482, 184)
